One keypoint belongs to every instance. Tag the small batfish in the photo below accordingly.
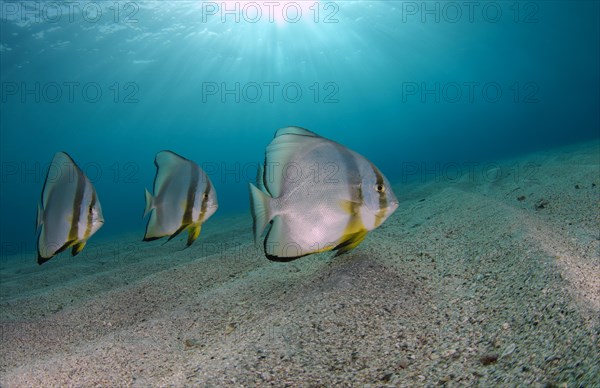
(318, 196)
(69, 212)
(184, 198)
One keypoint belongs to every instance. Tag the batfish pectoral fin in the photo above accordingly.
(78, 247)
(349, 242)
(193, 233)
(352, 208)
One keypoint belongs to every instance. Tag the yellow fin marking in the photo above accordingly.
(193, 233)
(355, 231)
(350, 241)
(77, 247)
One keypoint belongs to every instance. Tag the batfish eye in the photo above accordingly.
(380, 188)
(204, 195)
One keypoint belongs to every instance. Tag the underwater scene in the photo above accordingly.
(303, 193)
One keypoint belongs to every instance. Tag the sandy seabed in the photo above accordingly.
(489, 278)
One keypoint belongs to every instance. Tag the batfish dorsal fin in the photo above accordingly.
(295, 131)
(281, 151)
(61, 168)
(166, 162)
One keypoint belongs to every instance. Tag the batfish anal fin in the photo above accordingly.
(78, 247)
(349, 242)
(181, 229)
(193, 233)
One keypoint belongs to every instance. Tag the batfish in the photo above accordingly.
(184, 198)
(69, 212)
(317, 195)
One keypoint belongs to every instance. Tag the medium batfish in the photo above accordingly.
(69, 212)
(184, 198)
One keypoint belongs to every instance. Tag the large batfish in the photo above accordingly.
(318, 196)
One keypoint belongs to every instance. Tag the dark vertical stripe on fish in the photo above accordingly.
(90, 217)
(74, 232)
(383, 202)
(191, 196)
(204, 204)
(355, 226)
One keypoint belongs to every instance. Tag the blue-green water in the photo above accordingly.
(407, 84)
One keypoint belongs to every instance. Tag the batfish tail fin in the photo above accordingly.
(260, 208)
(149, 203)
(39, 217)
